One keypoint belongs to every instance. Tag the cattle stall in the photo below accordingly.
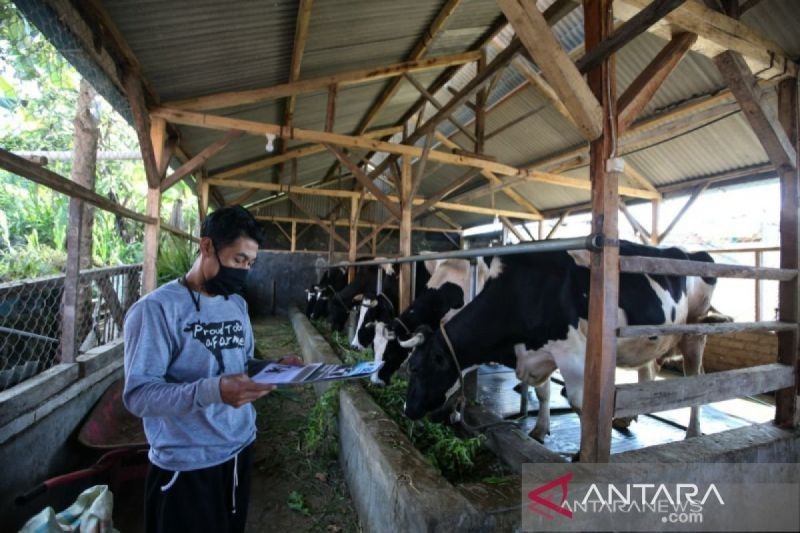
(381, 129)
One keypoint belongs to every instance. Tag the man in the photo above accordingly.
(188, 347)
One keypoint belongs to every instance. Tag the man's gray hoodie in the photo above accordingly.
(174, 358)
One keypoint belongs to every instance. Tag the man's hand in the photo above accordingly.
(291, 360)
(238, 390)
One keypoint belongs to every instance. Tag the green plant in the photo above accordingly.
(319, 436)
(175, 258)
(296, 502)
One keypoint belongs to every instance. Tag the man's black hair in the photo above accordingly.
(227, 224)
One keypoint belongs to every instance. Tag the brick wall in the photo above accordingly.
(739, 350)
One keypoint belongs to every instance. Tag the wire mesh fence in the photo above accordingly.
(31, 310)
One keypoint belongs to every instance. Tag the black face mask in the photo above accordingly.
(228, 280)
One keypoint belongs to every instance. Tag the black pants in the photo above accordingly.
(199, 500)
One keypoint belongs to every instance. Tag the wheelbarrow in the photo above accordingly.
(114, 430)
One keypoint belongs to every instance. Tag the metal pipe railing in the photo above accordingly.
(590, 242)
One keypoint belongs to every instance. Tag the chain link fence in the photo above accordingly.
(30, 318)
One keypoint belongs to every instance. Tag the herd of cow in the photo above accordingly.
(529, 313)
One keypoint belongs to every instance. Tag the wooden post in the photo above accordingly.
(153, 209)
(353, 250)
(759, 259)
(598, 389)
(375, 245)
(405, 232)
(656, 208)
(786, 400)
(69, 301)
(480, 108)
(293, 245)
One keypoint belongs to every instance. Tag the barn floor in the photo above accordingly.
(496, 391)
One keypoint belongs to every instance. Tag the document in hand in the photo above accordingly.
(278, 374)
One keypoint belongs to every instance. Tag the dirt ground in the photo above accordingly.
(292, 490)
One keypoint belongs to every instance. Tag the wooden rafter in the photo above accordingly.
(177, 116)
(419, 50)
(364, 180)
(443, 192)
(718, 32)
(284, 90)
(341, 222)
(766, 126)
(141, 120)
(200, 159)
(644, 87)
(557, 67)
(432, 99)
(327, 227)
(692, 199)
(630, 29)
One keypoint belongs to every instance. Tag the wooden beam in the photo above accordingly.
(151, 241)
(565, 79)
(345, 222)
(419, 50)
(510, 225)
(300, 38)
(364, 180)
(438, 105)
(786, 399)
(200, 159)
(364, 75)
(704, 329)
(203, 187)
(491, 211)
(141, 122)
(632, 173)
(644, 87)
(358, 142)
(653, 396)
(692, 199)
(601, 346)
(421, 164)
(512, 194)
(765, 125)
(327, 227)
(629, 30)
(294, 153)
(158, 138)
(293, 239)
(719, 32)
(643, 234)
(22, 167)
(559, 222)
(431, 200)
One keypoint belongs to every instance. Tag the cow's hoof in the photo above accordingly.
(539, 434)
(621, 424)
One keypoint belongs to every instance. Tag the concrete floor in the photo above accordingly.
(496, 391)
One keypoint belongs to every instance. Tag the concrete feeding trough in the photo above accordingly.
(394, 488)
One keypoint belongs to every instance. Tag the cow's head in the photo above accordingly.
(400, 334)
(432, 373)
(312, 295)
(372, 309)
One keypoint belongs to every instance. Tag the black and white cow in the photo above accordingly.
(332, 280)
(444, 294)
(376, 310)
(365, 280)
(538, 304)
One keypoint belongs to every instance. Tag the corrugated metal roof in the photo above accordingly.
(199, 47)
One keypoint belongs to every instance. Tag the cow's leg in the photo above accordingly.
(692, 347)
(572, 367)
(646, 373)
(542, 427)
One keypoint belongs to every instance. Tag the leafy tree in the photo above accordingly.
(38, 95)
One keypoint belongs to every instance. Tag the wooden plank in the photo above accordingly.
(681, 267)
(364, 180)
(577, 183)
(293, 240)
(22, 167)
(507, 441)
(765, 125)
(510, 226)
(364, 75)
(704, 329)
(141, 123)
(189, 118)
(720, 32)
(629, 30)
(406, 191)
(565, 79)
(786, 400)
(644, 87)
(419, 50)
(601, 346)
(200, 159)
(330, 114)
(663, 395)
(158, 138)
